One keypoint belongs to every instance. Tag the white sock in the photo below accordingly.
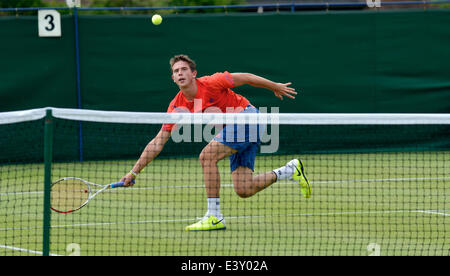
(214, 207)
(284, 172)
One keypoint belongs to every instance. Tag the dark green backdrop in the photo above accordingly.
(339, 61)
(35, 72)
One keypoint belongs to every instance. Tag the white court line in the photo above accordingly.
(282, 183)
(231, 217)
(312, 182)
(435, 212)
(249, 217)
(255, 216)
(25, 250)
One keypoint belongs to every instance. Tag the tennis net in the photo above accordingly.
(380, 185)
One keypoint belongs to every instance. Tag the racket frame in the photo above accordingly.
(89, 188)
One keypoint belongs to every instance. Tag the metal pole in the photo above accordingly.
(48, 156)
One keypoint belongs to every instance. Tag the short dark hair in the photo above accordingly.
(185, 58)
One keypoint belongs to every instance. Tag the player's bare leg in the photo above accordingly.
(210, 155)
(246, 185)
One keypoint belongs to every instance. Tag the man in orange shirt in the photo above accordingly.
(215, 91)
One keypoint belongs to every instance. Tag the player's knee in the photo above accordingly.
(207, 157)
(242, 193)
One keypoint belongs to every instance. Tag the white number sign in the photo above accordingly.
(49, 23)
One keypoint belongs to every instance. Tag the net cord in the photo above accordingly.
(228, 118)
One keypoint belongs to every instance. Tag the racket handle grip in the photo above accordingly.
(118, 184)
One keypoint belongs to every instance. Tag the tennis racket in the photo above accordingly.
(70, 194)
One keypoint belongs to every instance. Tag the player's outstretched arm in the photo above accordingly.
(279, 89)
(153, 148)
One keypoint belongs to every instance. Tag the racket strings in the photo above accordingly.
(69, 194)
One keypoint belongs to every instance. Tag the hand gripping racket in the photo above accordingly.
(69, 194)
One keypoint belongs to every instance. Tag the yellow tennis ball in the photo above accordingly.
(156, 19)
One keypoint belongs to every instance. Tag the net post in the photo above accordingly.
(48, 154)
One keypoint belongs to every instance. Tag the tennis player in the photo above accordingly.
(215, 91)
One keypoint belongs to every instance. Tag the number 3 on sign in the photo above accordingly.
(49, 23)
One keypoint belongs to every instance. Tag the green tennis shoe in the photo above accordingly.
(300, 177)
(207, 224)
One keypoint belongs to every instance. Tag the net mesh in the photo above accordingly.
(380, 187)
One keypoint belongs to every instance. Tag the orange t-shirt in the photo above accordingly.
(213, 92)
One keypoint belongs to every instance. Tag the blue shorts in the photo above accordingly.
(243, 138)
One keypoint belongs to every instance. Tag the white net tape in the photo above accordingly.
(228, 118)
